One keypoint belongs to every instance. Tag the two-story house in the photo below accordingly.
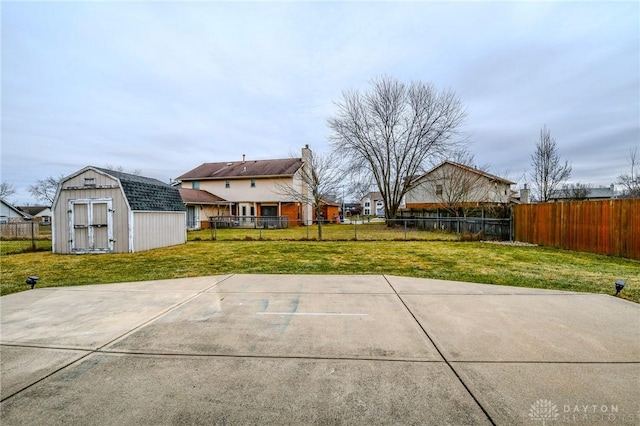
(372, 204)
(247, 190)
(456, 187)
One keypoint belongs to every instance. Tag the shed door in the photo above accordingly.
(91, 225)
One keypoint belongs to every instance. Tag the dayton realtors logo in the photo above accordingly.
(544, 410)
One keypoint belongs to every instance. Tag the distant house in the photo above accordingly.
(246, 190)
(583, 193)
(41, 214)
(330, 211)
(455, 186)
(97, 210)
(352, 209)
(9, 213)
(372, 204)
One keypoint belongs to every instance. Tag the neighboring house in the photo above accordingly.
(10, 213)
(583, 193)
(372, 204)
(455, 186)
(330, 211)
(201, 205)
(97, 210)
(249, 189)
(41, 214)
(352, 209)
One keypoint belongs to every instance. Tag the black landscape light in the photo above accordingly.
(619, 286)
(32, 280)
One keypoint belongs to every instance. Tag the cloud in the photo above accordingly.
(163, 87)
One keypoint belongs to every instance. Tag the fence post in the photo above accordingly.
(33, 237)
(355, 230)
(405, 229)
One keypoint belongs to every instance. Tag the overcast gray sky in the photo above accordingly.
(165, 86)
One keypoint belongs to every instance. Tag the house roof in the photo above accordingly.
(470, 169)
(15, 209)
(199, 196)
(592, 192)
(372, 196)
(32, 210)
(146, 194)
(244, 169)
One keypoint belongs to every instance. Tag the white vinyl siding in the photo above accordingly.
(160, 229)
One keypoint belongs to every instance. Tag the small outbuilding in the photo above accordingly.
(104, 211)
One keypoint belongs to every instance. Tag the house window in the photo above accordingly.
(227, 184)
(89, 181)
(253, 183)
(367, 204)
(438, 189)
(195, 184)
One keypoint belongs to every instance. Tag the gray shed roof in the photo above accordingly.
(147, 194)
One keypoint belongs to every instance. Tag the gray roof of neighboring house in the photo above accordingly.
(594, 192)
(199, 196)
(244, 169)
(32, 210)
(147, 194)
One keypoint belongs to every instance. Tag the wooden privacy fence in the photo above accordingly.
(19, 230)
(610, 227)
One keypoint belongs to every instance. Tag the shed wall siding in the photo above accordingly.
(70, 191)
(158, 229)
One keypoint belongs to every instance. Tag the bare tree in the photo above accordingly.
(45, 189)
(575, 191)
(361, 183)
(457, 184)
(631, 181)
(392, 130)
(6, 190)
(321, 176)
(136, 172)
(548, 171)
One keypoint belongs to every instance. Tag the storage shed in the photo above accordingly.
(103, 211)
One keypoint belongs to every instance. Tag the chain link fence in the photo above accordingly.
(355, 228)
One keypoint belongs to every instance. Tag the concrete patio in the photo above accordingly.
(299, 349)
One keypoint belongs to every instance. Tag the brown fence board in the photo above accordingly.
(610, 227)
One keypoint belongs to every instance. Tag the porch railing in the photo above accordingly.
(266, 222)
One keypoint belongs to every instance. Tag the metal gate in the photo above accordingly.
(91, 225)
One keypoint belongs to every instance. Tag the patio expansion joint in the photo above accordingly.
(446, 361)
(164, 312)
(91, 351)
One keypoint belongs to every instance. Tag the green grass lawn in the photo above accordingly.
(376, 231)
(460, 261)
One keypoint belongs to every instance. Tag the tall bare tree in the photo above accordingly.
(7, 190)
(392, 130)
(631, 181)
(321, 176)
(548, 171)
(45, 189)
